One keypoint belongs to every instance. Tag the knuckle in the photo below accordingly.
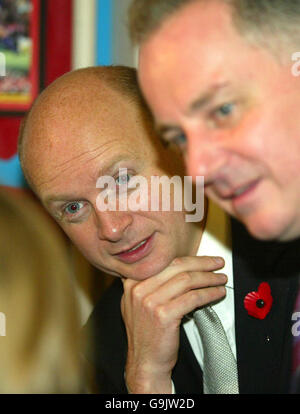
(148, 303)
(178, 261)
(184, 277)
(161, 314)
(195, 296)
(137, 293)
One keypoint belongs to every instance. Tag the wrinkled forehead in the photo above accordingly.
(60, 135)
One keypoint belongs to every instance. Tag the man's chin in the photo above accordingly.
(291, 232)
(146, 270)
(267, 228)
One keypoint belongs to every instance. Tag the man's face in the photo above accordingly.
(92, 142)
(233, 110)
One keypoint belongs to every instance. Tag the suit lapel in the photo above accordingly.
(187, 374)
(263, 346)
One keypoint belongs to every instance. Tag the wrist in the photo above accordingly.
(148, 384)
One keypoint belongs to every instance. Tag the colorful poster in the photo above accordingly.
(19, 53)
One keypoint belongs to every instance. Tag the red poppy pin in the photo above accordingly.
(258, 304)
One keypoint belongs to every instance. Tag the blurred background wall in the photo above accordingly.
(69, 34)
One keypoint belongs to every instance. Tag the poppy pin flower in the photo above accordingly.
(258, 304)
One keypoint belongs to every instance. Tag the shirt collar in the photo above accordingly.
(216, 239)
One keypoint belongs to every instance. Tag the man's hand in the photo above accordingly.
(152, 310)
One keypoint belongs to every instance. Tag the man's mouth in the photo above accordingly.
(243, 199)
(240, 191)
(136, 252)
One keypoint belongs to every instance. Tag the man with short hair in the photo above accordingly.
(220, 80)
(92, 124)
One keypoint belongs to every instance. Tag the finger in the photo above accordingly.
(129, 283)
(200, 263)
(197, 298)
(184, 282)
(180, 265)
(128, 286)
(176, 309)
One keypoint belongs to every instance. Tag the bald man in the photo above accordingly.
(92, 124)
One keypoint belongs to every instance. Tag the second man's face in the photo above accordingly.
(233, 110)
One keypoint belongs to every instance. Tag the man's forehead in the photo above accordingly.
(100, 168)
(93, 161)
(66, 135)
(197, 28)
(205, 17)
(70, 104)
(199, 61)
(69, 133)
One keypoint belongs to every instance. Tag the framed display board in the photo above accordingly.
(19, 54)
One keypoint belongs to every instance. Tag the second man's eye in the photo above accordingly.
(179, 140)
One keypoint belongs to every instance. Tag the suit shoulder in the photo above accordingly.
(107, 309)
(105, 341)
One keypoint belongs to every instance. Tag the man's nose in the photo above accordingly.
(112, 225)
(204, 158)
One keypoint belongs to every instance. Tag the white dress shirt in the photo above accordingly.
(216, 241)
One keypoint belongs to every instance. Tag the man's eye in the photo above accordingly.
(179, 140)
(73, 208)
(225, 110)
(123, 179)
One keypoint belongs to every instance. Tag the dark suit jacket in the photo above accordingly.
(263, 346)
